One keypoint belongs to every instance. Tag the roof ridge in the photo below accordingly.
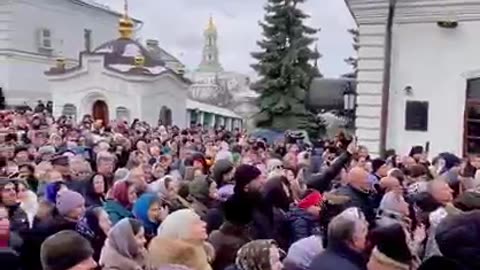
(102, 7)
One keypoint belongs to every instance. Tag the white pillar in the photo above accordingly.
(228, 123)
(188, 118)
(201, 118)
(214, 120)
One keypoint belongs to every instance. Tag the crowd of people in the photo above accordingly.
(130, 196)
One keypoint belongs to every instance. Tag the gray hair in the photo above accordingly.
(105, 157)
(345, 226)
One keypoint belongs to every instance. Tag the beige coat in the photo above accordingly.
(110, 259)
(166, 251)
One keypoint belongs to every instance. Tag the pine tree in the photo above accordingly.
(285, 67)
(353, 61)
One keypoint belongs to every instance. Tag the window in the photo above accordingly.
(45, 44)
(471, 125)
(70, 111)
(46, 33)
(416, 116)
(123, 114)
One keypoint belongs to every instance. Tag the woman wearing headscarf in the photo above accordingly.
(124, 247)
(123, 196)
(167, 189)
(150, 211)
(52, 189)
(96, 191)
(94, 226)
(222, 174)
(181, 240)
(259, 255)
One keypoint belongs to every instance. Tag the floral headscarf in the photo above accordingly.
(255, 255)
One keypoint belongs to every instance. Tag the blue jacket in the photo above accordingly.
(302, 223)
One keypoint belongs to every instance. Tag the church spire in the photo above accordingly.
(125, 25)
(211, 25)
(210, 60)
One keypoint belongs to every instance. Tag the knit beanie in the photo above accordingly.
(67, 200)
(64, 250)
(245, 174)
(376, 164)
(391, 247)
(312, 199)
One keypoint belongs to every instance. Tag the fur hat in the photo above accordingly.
(64, 250)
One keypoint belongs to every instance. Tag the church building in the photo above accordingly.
(34, 33)
(211, 84)
(122, 79)
(418, 75)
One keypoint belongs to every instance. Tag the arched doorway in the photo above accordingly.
(100, 111)
(165, 116)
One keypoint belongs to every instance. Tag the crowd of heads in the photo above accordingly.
(133, 196)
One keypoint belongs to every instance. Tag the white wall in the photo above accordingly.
(143, 96)
(67, 22)
(169, 92)
(433, 61)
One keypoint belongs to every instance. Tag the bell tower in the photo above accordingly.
(210, 61)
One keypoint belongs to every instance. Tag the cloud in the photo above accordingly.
(179, 25)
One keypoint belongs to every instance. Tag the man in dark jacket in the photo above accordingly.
(67, 250)
(8, 198)
(358, 190)
(457, 238)
(247, 192)
(347, 235)
(323, 181)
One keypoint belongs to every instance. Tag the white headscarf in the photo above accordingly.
(178, 224)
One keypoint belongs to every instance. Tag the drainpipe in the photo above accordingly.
(386, 77)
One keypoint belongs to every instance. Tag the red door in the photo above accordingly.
(100, 111)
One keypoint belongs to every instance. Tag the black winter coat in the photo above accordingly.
(339, 258)
(364, 201)
(323, 181)
(34, 238)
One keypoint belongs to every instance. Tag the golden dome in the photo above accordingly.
(126, 24)
(211, 25)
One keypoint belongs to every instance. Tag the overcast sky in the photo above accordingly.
(179, 25)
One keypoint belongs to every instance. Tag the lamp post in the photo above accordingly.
(349, 105)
